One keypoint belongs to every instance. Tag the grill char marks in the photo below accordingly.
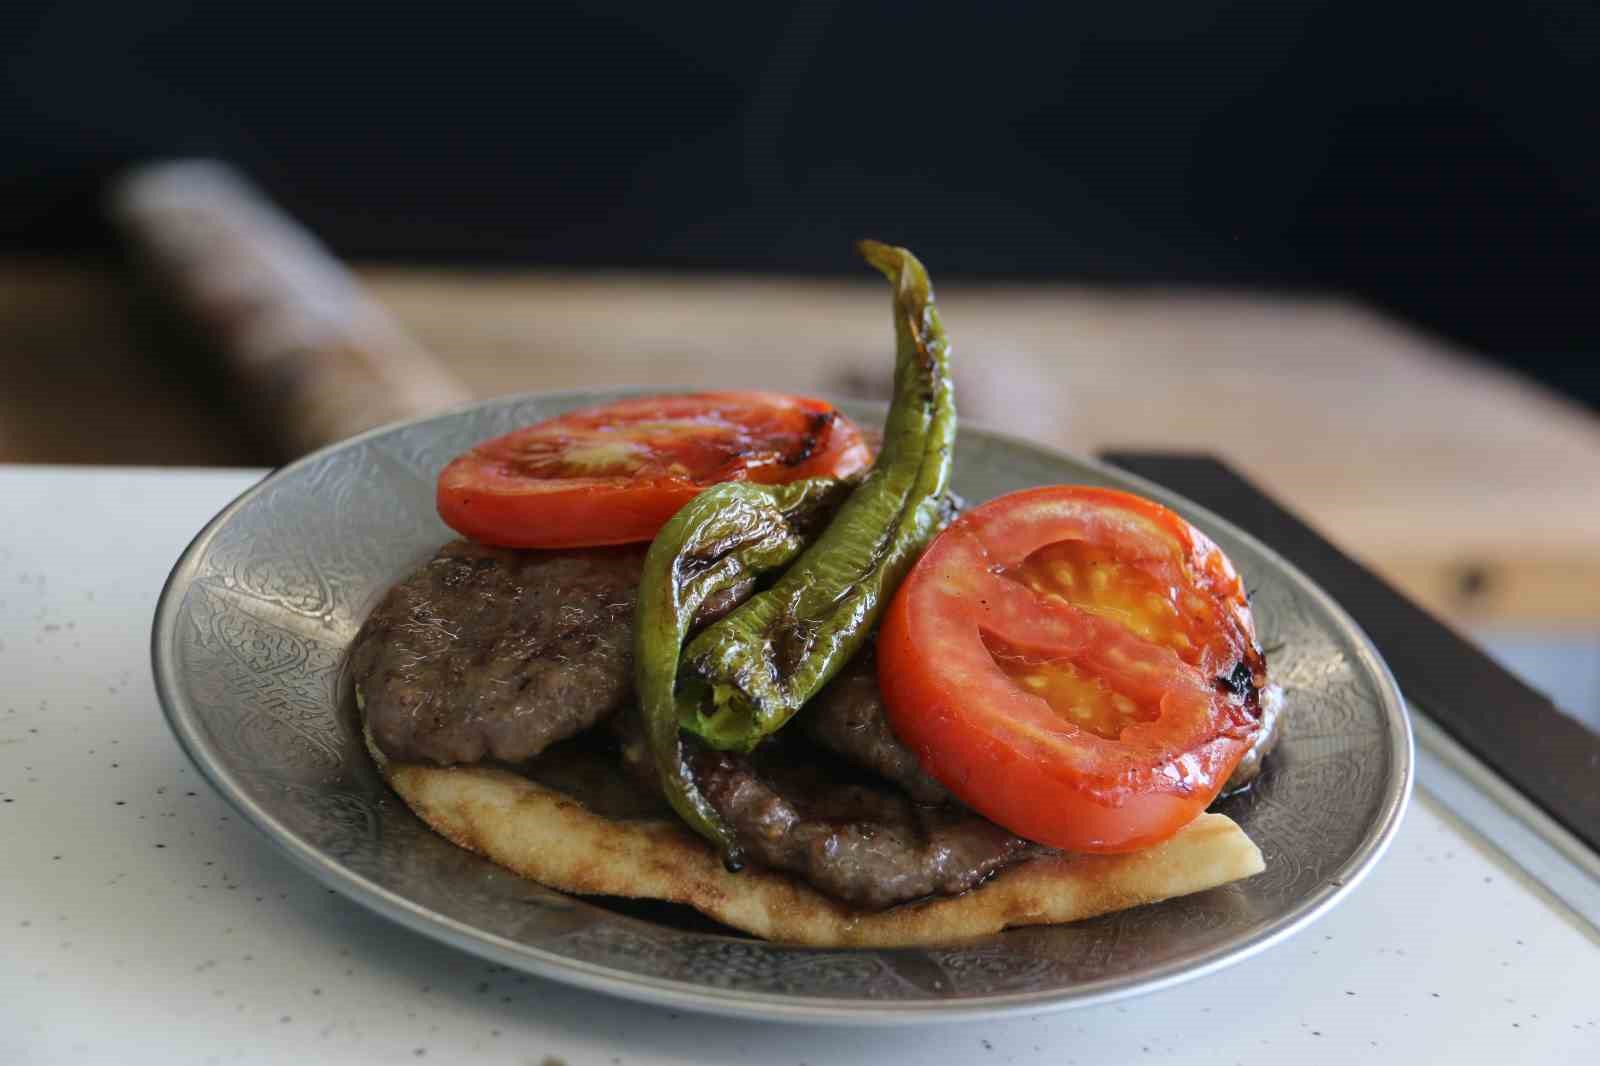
(487, 653)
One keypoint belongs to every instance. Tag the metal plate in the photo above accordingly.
(249, 641)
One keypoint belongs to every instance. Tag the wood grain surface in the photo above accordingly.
(1475, 491)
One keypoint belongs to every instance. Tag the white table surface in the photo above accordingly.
(142, 922)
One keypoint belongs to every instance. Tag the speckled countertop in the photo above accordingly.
(142, 922)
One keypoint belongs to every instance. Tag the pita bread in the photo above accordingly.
(550, 837)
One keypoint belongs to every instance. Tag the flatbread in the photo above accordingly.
(550, 837)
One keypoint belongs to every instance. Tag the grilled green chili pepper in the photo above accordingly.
(721, 540)
(746, 675)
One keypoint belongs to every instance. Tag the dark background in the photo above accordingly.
(1441, 161)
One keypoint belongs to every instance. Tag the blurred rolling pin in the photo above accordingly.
(309, 355)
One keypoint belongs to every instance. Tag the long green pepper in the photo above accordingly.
(761, 663)
(743, 677)
(726, 536)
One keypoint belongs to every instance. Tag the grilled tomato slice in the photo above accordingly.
(1077, 664)
(615, 474)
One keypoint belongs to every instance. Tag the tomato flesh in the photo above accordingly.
(1087, 701)
(1091, 578)
(1054, 659)
(615, 474)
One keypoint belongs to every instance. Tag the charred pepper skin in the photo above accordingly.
(850, 544)
(750, 672)
(720, 541)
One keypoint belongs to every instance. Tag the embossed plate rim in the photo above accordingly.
(185, 724)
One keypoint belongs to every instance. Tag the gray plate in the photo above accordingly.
(249, 643)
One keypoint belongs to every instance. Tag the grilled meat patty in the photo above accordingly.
(847, 718)
(869, 845)
(486, 653)
(797, 807)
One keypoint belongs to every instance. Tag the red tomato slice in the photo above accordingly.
(1077, 664)
(615, 474)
